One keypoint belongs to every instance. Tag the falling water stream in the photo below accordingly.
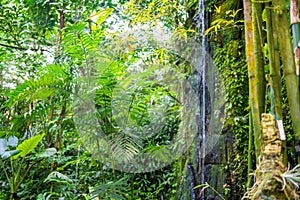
(195, 171)
(201, 146)
(203, 159)
(201, 21)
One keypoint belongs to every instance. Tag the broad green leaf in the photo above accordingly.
(28, 145)
(8, 154)
(47, 153)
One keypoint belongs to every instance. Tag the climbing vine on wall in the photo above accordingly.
(233, 68)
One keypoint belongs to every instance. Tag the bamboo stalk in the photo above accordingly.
(250, 149)
(250, 61)
(257, 75)
(287, 56)
(256, 86)
(295, 22)
(275, 74)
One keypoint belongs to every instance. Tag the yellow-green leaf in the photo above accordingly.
(28, 145)
(102, 15)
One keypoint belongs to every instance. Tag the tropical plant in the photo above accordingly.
(21, 159)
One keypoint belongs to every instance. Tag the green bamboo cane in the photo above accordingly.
(295, 22)
(287, 56)
(275, 74)
(250, 149)
(258, 84)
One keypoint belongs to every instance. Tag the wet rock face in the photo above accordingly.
(215, 166)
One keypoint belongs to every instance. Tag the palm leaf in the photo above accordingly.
(115, 190)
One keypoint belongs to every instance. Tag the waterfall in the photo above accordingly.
(206, 159)
(202, 103)
(195, 170)
(203, 92)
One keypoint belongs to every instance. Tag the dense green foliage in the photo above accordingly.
(46, 46)
(233, 67)
(51, 50)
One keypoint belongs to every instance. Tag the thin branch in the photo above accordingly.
(13, 47)
(22, 48)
